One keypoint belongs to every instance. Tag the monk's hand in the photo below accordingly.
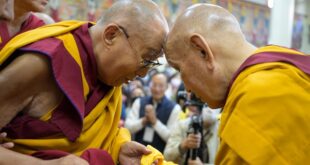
(67, 160)
(150, 113)
(197, 161)
(131, 153)
(7, 145)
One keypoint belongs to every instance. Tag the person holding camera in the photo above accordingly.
(183, 141)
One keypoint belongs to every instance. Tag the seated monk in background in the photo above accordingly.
(23, 20)
(61, 86)
(264, 92)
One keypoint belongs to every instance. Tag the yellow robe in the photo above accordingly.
(100, 126)
(266, 118)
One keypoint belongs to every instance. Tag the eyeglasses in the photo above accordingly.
(144, 62)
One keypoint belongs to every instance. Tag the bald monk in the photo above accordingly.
(264, 92)
(61, 84)
(23, 20)
(6, 10)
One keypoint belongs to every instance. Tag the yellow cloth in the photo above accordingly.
(100, 127)
(266, 119)
(152, 157)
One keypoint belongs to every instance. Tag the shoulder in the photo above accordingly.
(45, 46)
(267, 78)
(275, 89)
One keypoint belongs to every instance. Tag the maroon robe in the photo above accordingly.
(31, 23)
(67, 118)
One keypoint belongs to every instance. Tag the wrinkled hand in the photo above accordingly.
(7, 145)
(131, 153)
(150, 114)
(197, 161)
(67, 160)
(192, 141)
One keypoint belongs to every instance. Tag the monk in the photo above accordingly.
(23, 20)
(61, 85)
(264, 92)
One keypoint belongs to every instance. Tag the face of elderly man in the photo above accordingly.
(129, 42)
(201, 45)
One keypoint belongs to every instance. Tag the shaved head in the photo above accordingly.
(137, 16)
(207, 46)
(128, 38)
(213, 22)
(158, 86)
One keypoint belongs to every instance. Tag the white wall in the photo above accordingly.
(281, 23)
(305, 5)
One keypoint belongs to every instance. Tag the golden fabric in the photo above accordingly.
(266, 117)
(155, 155)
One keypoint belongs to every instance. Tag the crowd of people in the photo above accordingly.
(62, 99)
(164, 122)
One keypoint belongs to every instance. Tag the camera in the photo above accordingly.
(196, 123)
(189, 99)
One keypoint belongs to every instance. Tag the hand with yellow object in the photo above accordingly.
(131, 152)
(155, 156)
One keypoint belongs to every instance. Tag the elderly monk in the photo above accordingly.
(24, 19)
(60, 84)
(264, 92)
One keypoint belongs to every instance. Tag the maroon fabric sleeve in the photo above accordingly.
(92, 156)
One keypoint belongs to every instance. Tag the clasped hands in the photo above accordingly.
(150, 115)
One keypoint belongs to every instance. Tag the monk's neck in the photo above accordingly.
(15, 25)
(241, 55)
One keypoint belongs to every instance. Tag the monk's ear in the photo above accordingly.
(202, 48)
(110, 33)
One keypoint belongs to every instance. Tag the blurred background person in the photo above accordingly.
(24, 19)
(183, 139)
(6, 10)
(152, 117)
